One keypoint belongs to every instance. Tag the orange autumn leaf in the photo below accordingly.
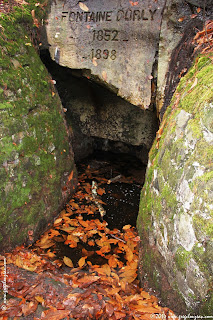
(54, 314)
(85, 224)
(101, 191)
(28, 308)
(131, 245)
(72, 244)
(70, 176)
(104, 249)
(119, 315)
(68, 262)
(66, 229)
(53, 233)
(128, 273)
(106, 269)
(46, 245)
(181, 19)
(103, 242)
(113, 262)
(40, 299)
(159, 133)
(88, 279)
(109, 310)
(127, 226)
(72, 222)
(71, 237)
(44, 238)
(91, 243)
(87, 188)
(57, 221)
(50, 254)
(72, 241)
(145, 295)
(137, 239)
(112, 291)
(81, 261)
(127, 280)
(74, 205)
(87, 253)
(60, 239)
(69, 211)
(129, 255)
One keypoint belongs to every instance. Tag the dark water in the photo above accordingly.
(121, 198)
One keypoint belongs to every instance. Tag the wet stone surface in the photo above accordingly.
(109, 40)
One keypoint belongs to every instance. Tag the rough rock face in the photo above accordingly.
(180, 22)
(175, 219)
(128, 46)
(36, 159)
(99, 118)
(115, 40)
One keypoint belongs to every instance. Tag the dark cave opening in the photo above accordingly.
(99, 120)
(110, 137)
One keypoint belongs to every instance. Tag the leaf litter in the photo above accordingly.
(100, 282)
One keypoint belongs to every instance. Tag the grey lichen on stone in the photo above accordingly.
(181, 168)
(112, 41)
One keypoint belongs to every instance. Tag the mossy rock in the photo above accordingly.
(175, 218)
(36, 158)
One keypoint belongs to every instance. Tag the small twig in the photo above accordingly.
(95, 197)
(114, 179)
(112, 235)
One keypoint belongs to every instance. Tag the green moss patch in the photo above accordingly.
(179, 181)
(36, 157)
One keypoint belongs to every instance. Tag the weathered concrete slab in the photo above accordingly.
(115, 39)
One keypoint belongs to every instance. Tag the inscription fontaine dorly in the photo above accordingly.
(115, 39)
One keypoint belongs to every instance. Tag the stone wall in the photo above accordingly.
(98, 118)
(175, 220)
(37, 171)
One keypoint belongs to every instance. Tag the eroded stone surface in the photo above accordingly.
(98, 117)
(116, 40)
(175, 217)
(180, 22)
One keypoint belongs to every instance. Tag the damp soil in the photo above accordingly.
(121, 177)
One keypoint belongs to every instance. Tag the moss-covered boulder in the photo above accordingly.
(37, 171)
(175, 220)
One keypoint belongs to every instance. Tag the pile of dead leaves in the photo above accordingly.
(204, 38)
(95, 279)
